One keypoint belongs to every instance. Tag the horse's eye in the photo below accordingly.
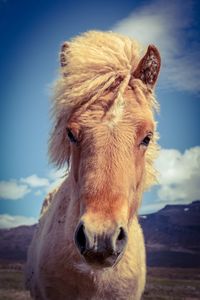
(71, 137)
(145, 142)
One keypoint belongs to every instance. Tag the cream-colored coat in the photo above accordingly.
(55, 270)
(105, 96)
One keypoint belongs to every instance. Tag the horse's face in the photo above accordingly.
(108, 165)
(108, 143)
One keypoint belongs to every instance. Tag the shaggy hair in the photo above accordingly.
(104, 98)
(92, 64)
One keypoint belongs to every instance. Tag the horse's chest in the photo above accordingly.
(75, 286)
(69, 287)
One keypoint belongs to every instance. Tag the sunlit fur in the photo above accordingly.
(110, 112)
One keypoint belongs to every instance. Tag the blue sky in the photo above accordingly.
(31, 34)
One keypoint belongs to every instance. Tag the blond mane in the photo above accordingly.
(89, 244)
(95, 63)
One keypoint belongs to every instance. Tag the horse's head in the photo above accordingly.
(110, 142)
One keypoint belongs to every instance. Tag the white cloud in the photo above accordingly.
(17, 189)
(179, 175)
(13, 190)
(35, 181)
(8, 221)
(38, 193)
(168, 25)
(56, 177)
(151, 207)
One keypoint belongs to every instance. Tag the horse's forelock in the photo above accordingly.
(96, 63)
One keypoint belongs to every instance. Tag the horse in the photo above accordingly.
(88, 243)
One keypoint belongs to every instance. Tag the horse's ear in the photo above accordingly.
(148, 67)
(63, 54)
(59, 147)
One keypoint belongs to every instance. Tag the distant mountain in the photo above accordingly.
(14, 243)
(172, 237)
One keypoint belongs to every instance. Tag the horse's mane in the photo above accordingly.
(95, 61)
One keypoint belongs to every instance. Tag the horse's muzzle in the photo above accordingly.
(100, 250)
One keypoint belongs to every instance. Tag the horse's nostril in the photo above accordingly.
(80, 238)
(121, 240)
(100, 249)
(122, 234)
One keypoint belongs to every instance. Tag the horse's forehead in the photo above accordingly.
(126, 114)
(125, 110)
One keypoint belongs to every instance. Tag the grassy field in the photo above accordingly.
(172, 284)
(11, 283)
(162, 284)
